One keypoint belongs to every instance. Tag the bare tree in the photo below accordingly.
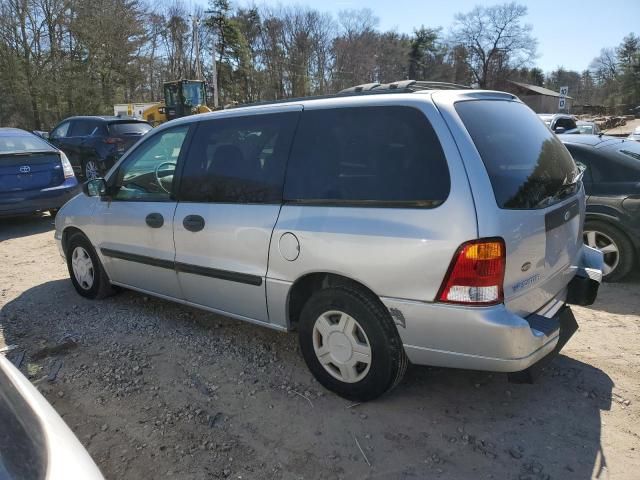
(605, 65)
(495, 40)
(355, 48)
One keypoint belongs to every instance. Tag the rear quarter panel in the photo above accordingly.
(524, 231)
(395, 252)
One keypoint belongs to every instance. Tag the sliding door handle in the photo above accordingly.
(193, 223)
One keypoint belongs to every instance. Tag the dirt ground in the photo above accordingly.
(157, 390)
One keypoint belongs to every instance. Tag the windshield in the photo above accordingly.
(527, 165)
(129, 128)
(631, 150)
(193, 93)
(171, 95)
(22, 142)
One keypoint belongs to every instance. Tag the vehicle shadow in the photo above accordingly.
(25, 225)
(549, 429)
(439, 423)
(621, 298)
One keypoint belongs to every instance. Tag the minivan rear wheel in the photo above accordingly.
(351, 344)
(617, 249)
(85, 269)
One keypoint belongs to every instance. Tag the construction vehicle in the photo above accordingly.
(181, 98)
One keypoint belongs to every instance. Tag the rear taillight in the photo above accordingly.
(67, 169)
(476, 274)
(113, 140)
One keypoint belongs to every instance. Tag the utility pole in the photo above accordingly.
(214, 73)
(196, 43)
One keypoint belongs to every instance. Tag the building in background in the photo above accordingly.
(539, 99)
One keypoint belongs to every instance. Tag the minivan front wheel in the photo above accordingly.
(86, 272)
(351, 344)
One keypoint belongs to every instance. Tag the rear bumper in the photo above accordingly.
(494, 338)
(16, 203)
(483, 338)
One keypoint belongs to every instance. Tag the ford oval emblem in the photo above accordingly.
(567, 214)
(525, 266)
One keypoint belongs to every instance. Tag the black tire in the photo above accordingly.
(388, 359)
(625, 248)
(100, 286)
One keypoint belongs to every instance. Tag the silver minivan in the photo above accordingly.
(414, 223)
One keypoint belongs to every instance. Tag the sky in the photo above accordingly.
(569, 33)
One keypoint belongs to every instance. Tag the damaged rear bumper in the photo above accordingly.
(565, 324)
(582, 290)
(494, 338)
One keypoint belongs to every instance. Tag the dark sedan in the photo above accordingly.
(94, 144)
(612, 183)
(34, 175)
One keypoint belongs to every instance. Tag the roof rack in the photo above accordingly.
(402, 86)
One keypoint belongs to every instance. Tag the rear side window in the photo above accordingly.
(131, 128)
(83, 128)
(239, 159)
(367, 155)
(527, 165)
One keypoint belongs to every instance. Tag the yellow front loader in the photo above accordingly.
(181, 98)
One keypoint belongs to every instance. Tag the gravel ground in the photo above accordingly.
(158, 390)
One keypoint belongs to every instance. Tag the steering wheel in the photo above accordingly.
(157, 174)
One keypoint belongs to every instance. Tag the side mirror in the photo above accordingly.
(95, 188)
(559, 130)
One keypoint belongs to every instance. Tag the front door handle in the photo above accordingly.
(154, 220)
(193, 223)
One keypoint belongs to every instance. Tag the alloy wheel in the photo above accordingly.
(341, 346)
(91, 170)
(607, 246)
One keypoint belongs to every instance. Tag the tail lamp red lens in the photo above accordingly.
(476, 274)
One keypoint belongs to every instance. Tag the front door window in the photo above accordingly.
(147, 174)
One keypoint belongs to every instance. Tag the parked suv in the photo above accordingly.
(612, 185)
(440, 227)
(94, 144)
